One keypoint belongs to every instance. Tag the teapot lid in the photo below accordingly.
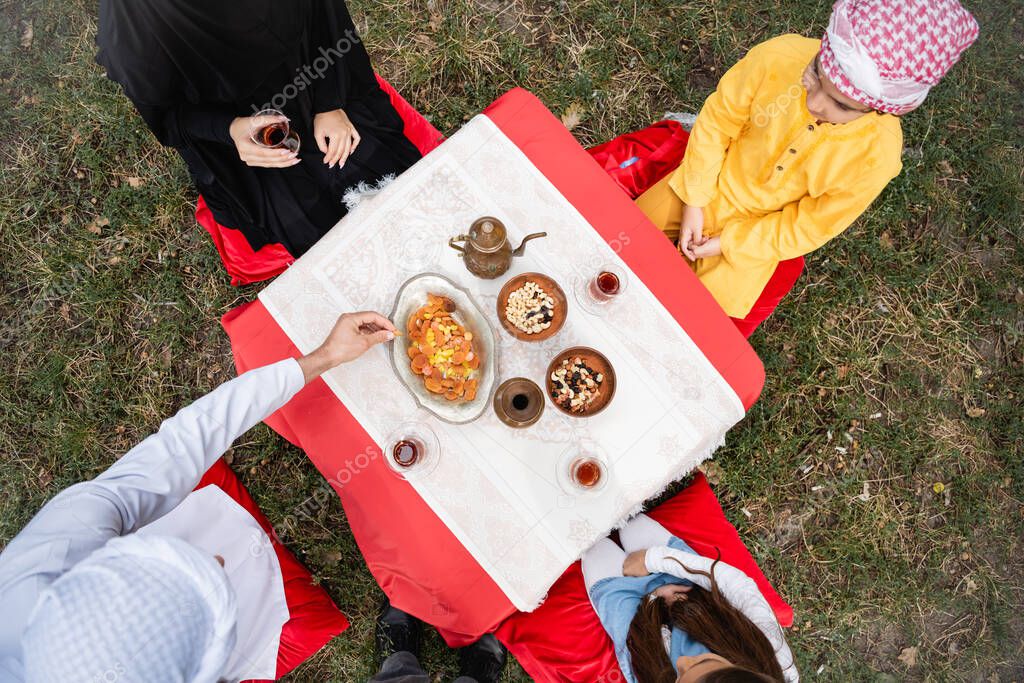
(487, 234)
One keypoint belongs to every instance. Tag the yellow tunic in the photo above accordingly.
(773, 183)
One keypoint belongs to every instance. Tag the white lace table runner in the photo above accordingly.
(496, 487)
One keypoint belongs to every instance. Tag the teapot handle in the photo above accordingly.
(521, 249)
(457, 247)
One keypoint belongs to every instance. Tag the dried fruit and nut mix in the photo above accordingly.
(575, 385)
(530, 308)
(442, 350)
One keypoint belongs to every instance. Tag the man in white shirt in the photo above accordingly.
(84, 598)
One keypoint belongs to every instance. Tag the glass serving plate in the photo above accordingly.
(411, 296)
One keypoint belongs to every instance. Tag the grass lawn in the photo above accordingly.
(879, 481)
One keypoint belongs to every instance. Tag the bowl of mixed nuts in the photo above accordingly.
(532, 307)
(581, 381)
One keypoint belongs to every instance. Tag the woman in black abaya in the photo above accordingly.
(198, 71)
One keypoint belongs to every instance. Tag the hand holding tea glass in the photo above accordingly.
(265, 140)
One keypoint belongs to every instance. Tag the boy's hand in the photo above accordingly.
(691, 231)
(709, 246)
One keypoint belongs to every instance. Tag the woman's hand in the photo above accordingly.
(336, 137)
(256, 155)
(635, 564)
(691, 230)
(709, 246)
(672, 592)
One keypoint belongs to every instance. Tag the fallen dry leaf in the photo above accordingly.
(573, 116)
(712, 471)
(135, 181)
(908, 656)
(865, 495)
(975, 412)
(27, 34)
(96, 227)
(885, 239)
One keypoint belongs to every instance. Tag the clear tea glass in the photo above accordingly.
(602, 288)
(412, 449)
(276, 135)
(583, 469)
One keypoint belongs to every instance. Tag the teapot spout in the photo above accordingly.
(521, 249)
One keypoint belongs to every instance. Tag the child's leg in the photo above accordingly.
(642, 533)
(663, 206)
(782, 281)
(602, 561)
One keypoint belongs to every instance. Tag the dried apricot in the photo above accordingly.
(441, 350)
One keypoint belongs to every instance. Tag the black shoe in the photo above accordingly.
(484, 660)
(397, 632)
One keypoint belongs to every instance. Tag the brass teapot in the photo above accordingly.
(486, 249)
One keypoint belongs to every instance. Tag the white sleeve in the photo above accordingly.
(145, 484)
(151, 479)
(738, 588)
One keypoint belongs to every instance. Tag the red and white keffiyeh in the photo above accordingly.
(887, 54)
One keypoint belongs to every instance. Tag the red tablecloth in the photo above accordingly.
(420, 565)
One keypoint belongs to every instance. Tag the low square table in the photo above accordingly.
(489, 530)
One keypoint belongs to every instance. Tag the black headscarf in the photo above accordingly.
(209, 51)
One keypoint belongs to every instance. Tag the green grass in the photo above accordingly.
(895, 365)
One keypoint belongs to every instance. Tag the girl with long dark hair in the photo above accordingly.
(199, 71)
(677, 617)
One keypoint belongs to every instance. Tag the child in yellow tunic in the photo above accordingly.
(800, 137)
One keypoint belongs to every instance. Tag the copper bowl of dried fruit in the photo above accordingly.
(532, 307)
(581, 381)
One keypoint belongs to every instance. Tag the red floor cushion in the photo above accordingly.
(563, 641)
(246, 266)
(314, 618)
(638, 160)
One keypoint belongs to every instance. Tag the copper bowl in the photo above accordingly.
(551, 288)
(597, 361)
(519, 402)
